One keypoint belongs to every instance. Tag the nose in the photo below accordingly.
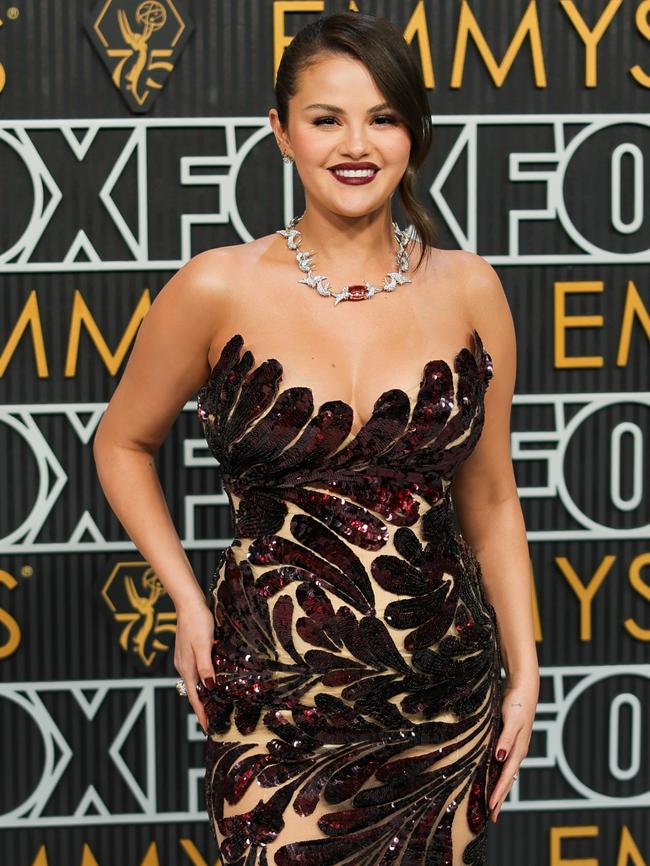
(356, 140)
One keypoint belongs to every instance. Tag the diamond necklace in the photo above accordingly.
(356, 292)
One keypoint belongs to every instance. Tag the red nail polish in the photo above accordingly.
(501, 754)
(209, 681)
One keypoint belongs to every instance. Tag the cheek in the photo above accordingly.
(310, 147)
(400, 148)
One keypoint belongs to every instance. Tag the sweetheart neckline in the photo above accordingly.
(477, 352)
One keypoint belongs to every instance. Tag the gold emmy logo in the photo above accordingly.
(140, 44)
(135, 596)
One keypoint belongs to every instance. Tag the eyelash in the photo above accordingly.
(391, 118)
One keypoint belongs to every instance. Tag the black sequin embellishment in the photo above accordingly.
(356, 705)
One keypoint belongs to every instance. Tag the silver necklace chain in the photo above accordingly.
(358, 291)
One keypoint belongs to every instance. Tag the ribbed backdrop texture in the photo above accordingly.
(134, 135)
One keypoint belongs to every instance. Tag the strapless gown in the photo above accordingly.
(356, 706)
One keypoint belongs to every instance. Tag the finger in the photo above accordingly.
(500, 792)
(205, 667)
(509, 768)
(504, 782)
(195, 702)
(507, 739)
(494, 811)
(197, 706)
(501, 800)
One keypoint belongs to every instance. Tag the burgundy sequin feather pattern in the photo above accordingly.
(356, 706)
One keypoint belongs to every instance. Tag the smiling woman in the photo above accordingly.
(355, 713)
(346, 661)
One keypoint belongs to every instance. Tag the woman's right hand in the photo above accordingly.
(193, 653)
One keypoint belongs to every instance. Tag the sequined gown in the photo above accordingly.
(356, 707)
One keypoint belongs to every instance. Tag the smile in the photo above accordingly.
(354, 176)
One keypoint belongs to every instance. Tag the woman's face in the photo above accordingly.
(339, 116)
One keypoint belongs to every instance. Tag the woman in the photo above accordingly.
(346, 668)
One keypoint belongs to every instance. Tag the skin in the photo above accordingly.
(336, 349)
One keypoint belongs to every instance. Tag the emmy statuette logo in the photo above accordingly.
(139, 44)
(141, 611)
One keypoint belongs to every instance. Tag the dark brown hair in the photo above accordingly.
(380, 46)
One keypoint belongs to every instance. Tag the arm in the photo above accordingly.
(166, 367)
(484, 494)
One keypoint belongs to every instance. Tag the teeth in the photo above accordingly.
(358, 172)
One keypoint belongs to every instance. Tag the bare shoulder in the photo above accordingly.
(205, 285)
(210, 273)
(196, 299)
(475, 277)
(486, 308)
(221, 267)
(482, 291)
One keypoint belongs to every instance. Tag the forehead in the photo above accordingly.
(340, 80)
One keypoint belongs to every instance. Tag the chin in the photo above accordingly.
(357, 203)
(361, 210)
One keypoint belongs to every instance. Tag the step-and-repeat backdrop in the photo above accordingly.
(134, 135)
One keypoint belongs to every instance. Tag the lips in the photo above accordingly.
(354, 166)
(355, 179)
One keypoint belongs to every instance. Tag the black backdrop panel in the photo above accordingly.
(111, 176)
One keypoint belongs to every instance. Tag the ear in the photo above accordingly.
(280, 135)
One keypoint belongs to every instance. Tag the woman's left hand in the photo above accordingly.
(518, 710)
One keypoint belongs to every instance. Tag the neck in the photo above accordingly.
(361, 241)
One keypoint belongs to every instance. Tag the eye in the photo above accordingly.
(389, 118)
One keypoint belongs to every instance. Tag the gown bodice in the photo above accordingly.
(273, 448)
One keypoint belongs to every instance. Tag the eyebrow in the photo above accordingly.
(336, 110)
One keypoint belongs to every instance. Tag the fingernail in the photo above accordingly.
(501, 754)
(209, 681)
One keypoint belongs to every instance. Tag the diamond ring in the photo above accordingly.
(181, 688)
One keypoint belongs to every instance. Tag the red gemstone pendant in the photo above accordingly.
(357, 292)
